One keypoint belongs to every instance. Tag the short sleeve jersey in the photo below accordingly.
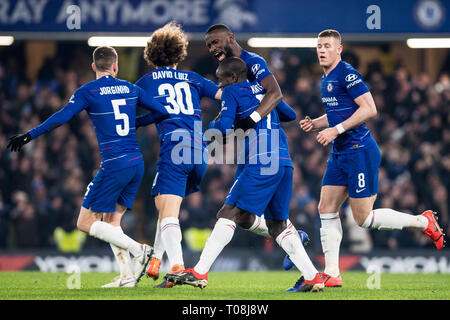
(257, 66)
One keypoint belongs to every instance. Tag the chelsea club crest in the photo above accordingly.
(329, 87)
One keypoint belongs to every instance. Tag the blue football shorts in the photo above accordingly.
(358, 171)
(178, 179)
(111, 187)
(262, 194)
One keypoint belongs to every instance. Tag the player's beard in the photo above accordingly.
(226, 53)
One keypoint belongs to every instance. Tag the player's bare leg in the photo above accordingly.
(123, 259)
(331, 199)
(389, 219)
(168, 206)
(90, 222)
(221, 235)
(248, 221)
(87, 218)
(227, 219)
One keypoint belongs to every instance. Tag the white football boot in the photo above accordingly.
(141, 262)
(121, 283)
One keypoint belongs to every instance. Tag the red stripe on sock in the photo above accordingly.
(170, 226)
(373, 219)
(287, 234)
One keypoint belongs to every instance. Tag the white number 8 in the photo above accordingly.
(361, 180)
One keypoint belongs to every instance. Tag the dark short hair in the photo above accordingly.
(234, 65)
(167, 46)
(330, 33)
(104, 58)
(218, 27)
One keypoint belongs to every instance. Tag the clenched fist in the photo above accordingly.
(307, 124)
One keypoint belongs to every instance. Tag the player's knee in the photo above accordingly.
(245, 220)
(107, 217)
(359, 218)
(83, 225)
(226, 212)
(112, 218)
(85, 220)
(324, 207)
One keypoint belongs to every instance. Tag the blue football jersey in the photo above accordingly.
(239, 101)
(111, 106)
(256, 65)
(339, 90)
(180, 92)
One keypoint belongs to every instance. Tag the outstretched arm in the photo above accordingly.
(158, 111)
(150, 118)
(76, 105)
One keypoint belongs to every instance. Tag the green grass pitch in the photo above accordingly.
(245, 285)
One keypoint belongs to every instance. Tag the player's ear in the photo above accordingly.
(340, 48)
(93, 67)
(234, 77)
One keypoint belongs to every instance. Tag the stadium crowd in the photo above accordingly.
(42, 187)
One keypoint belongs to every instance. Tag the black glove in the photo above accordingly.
(17, 141)
(245, 124)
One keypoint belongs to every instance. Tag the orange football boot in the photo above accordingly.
(332, 282)
(433, 231)
(153, 268)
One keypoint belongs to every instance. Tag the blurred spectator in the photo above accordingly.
(26, 225)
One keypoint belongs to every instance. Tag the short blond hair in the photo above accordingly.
(330, 33)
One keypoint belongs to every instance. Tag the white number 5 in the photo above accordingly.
(122, 130)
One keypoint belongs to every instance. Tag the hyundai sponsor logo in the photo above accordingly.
(255, 67)
(351, 77)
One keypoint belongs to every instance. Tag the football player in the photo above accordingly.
(352, 168)
(260, 186)
(111, 106)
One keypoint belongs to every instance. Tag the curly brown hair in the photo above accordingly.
(167, 46)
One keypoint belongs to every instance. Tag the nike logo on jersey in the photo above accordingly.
(360, 190)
